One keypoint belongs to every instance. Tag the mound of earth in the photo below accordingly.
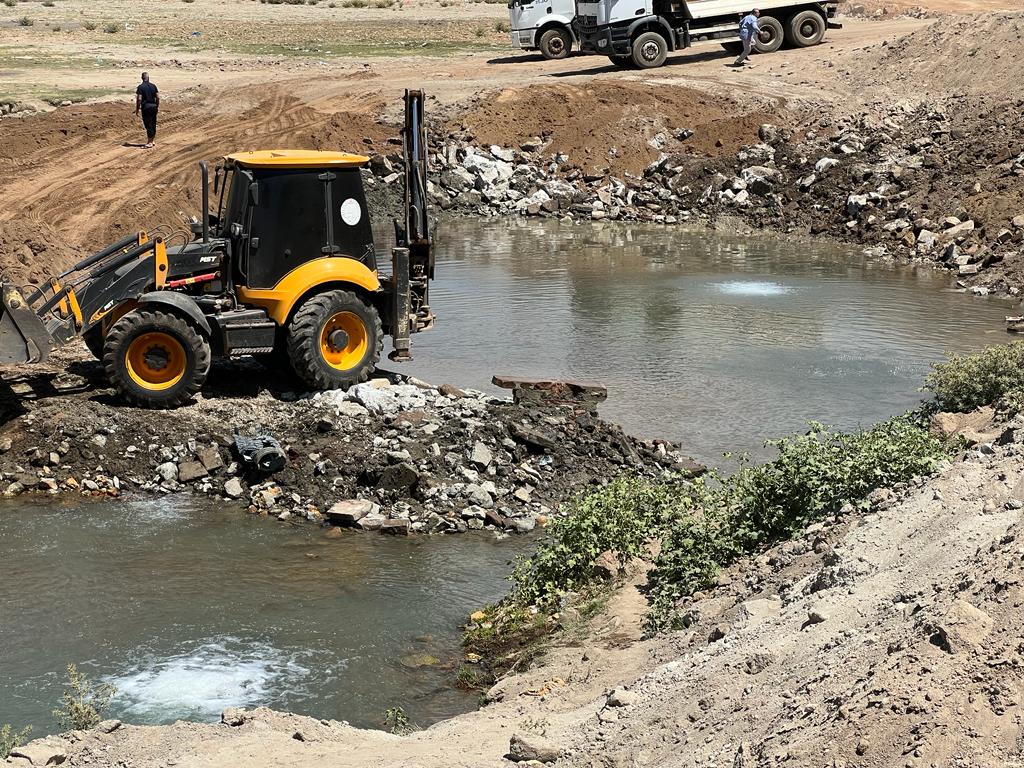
(615, 125)
(955, 56)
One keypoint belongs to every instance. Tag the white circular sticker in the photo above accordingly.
(351, 213)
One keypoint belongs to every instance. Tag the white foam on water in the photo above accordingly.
(752, 288)
(199, 683)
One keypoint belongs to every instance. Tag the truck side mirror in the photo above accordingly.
(254, 194)
(216, 179)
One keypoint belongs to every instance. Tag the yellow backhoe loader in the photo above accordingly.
(284, 269)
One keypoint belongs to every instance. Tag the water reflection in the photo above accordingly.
(719, 342)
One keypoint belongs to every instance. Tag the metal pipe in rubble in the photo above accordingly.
(110, 249)
(204, 169)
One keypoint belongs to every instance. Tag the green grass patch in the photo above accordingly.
(11, 739)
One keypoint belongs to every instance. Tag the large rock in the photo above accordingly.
(975, 427)
(350, 511)
(48, 751)
(524, 748)
(481, 455)
(961, 628)
(189, 471)
(397, 477)
(761, 179)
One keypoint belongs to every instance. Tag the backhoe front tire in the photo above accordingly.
(334, 340)
(155, 359)
(93, 339)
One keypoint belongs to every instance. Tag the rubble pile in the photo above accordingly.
(386, 455)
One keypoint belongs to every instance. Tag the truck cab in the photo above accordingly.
(543, 25)
(641, 33)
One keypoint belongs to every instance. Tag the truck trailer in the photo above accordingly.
(543, 25)
(641, 33)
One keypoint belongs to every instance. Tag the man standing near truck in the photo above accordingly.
(749, 27)
(147, 101)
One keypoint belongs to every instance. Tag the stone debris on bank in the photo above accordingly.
(914, 183)
(391, 455)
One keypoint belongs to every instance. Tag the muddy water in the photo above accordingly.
(189, 609)
(718, 342)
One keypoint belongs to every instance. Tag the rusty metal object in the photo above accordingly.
(577, 394)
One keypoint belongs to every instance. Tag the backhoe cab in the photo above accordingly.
(284, 269)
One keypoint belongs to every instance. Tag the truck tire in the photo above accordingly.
(555, 43)
(622, 62)
(155, 359)
(805, 29)
(334, 340)
(770, 38)
(649, 50)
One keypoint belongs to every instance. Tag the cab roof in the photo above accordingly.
(297, 158)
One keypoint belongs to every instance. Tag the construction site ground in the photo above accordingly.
(886, 640)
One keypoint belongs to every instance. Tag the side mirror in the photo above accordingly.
(216, 179)
(254, 194)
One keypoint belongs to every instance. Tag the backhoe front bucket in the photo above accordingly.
(23, 337)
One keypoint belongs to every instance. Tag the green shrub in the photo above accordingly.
(814, 475)
(11, 739)
(25, 21)
(966, 382)
(90, 25)
(83, 702)
(502, 26)
(111, 28)
(397, 721)
(48, 3)
(10, 3)
(622, 517)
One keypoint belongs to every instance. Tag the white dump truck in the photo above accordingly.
(641, 33)
(543, 25)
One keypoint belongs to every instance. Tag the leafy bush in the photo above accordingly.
(622, 517)
(25, 21)
(966, 382)
(10, 739)
(90, 25)
(813, 476)
(10, 3)
(111, 28)
(83, 702)
(502, 26)
(397, 721)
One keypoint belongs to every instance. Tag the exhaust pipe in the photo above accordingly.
(204, 169)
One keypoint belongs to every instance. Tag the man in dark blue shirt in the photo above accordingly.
(147, 101)
(749, 27)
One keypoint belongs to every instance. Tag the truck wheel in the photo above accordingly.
(555, 43)
(334, 340)
(649, 50)
(770, 38)
(805, 29)
(155, 359)
(622, 62)
(93, 339)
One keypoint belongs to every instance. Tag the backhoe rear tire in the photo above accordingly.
(334, 340)
(155, 359)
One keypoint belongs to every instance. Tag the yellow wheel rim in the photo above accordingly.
(155, 361)
(344, 353)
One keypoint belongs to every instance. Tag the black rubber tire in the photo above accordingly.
(649, 50)
(141, 321)
(304, 348)
(555, 43)
(622, 62)
(805, 29)
(93, 339)
(771, 36)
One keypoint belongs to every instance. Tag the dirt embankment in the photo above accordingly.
(884, 638)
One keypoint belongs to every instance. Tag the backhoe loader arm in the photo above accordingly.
(32, 323)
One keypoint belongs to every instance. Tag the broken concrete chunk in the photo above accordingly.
(524, 748)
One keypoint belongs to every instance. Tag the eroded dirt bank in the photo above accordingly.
(877, 639)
